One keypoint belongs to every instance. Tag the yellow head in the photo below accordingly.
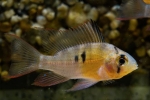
(117, 63)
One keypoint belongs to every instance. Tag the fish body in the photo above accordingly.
(75, 56)
(130, 9)
(95, 58)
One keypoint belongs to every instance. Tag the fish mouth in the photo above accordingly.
(136, 66)
(132, 68)
(129, 70)
(132, 62)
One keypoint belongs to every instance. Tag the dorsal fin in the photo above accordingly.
(54, 41)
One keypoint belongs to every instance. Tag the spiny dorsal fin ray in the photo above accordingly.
(54, 41)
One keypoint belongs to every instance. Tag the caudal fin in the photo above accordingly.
(25, 58)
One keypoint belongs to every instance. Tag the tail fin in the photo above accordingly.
(25, 58)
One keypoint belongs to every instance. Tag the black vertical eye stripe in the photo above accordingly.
(121, 62)
(118, 69)
(116, 50)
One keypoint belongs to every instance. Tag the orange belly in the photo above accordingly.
(90, 69)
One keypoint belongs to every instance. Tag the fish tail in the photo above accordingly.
(24, 58)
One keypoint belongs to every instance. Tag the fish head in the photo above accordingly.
(125, 64)
(118, 63)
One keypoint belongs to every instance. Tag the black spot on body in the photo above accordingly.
(83, 55)
(76, 58)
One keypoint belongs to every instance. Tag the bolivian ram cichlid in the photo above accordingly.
(78, 53)
(130, 9)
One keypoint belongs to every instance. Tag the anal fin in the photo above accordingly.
(49, 79)
(82, 84)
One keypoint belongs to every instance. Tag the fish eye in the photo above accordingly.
(121, 60)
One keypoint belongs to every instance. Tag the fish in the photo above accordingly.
(77, 53)
(131, 9)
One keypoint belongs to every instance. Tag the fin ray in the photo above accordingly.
(49, 79)
(108, 82)
(82, 84)
(24, 57)
(54, 41)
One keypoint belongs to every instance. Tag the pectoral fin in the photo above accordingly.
(108, 82)
(82, 84)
